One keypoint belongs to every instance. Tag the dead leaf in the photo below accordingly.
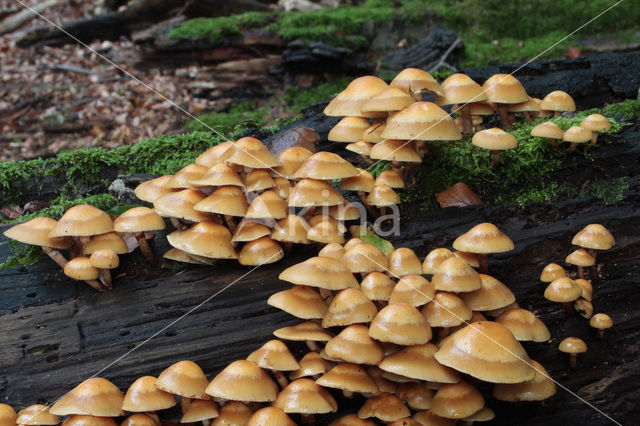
(459, 195)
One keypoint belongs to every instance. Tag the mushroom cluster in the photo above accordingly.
(587, 131)
(578, 291)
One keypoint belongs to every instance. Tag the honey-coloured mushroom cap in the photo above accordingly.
(364, 258)
(390, 99)
(84, 420)
(492, 295)
(418, 362)
(548, 129)
(348, 130)
(307, 330)
(373, 134)
(104, 259)
(596, 123)
(552, 272)
(138, 219)
(226, 200)
(348, 307)
(270, 416)
(291, 229)
(351, 420)
(8, 415)
(383, 195)
(220, 174)
(290, 161)
(233, 413)
(212, 155)
(250, 230)
(351, 99)
(494, 139)
(311, 364)
(395, 150)
(580, 257)
(363, 181)
(361, 147)
(456, 400)
(180, 256)
(377, 286)
(153, 189)
(446, 310)
(110, 240)
(94, 397)
(313, 192)
(274, 355)
(199, 410)
(36, 233)
(304, 396)
(576, 134)
(421, 121)
(594, 236)
(260, 252)
(415, 80)
(401, 324)
(433, 260)
(416, 395)
(391, 178)
(243, 381)
(80, 268)
(37, 414)
(454, 274)
(412, 289)
(354, 344)
(562, 290)
(332, 250)
(572, 345)
(460, 89)
(250, 152)
(300, 301)
(184, 378)
(427, 418)
(82, 220)
(206, 238)
(258, 180)
(348, 377)
(539, 388)
(558, 101)
(143, 395)
(140, 420)
(404, 261)
(325, 232)
(326, 166)
(268, 205)
(524, 325)
(601, 321)
(180, 205)
(504, 89)
(185, 176)
(320, 272)
(384, 406)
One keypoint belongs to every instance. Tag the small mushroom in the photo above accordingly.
(576, 135)
(36, 233)
(384, 406)
(601, 322)
(350, 378)
(243, 381)
(558, 101)
(550, 131)
(81, 222)
(270, 416)
(483, 239)
(504, 89)
(184, 379)
(305, 397)
(105, 260)
(81, 269)
(584, 308)
(595, 123)
(37, 414)
(495, 140)
(572, 346)
(95, 397)
(563, 290)
(580, 258)
(275, 356)
(139, 221)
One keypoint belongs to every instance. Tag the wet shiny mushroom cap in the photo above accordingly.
(548, 129)
(206, 238)
(180, 205)
(313, 192)
(250, 152)
(36, 233)
(304, 396)
(199, 410)
(320, 272)
(601, 321)
(270, 416)
(274, 355)
(596, 123)
(300, 301)
(219, 174)
(153, 189)
(558, 101)
(494, 139)
(351, 99)
(572, 345)
(143, 395)
(82, 220)
(94, 397)
(326, 166)
(412, 289)
(401, 324)
(184, 378)
(418, 362)
(37, 414)
(243, 381)
(348, 307)
(504, 89)
(492, 295)
(524, 325)
(415, 80)
(349, 377)
(185, 176)
(80, 268)
(456, 400)
(138, 219)
(262, 251)
(385, 406)
(421, 121)
(539, 388)
(552, 272)
(460, 89)
(594, 236)
(354, 344)
(562, 290)
(455, 275)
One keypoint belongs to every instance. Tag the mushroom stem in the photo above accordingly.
(309, 212)
(105, 278)
(313, 346)
(363, 197)
(573, 360)
(504, 115)
(572, 147)
(384, 210)
(553, 143)
(444, 332)
(593, 253)
(594, 137)
(467, 125)
(326, 295)
(581, 272)
(56, 256)
(567, 307)
(206, 422)
(527, 116)
(423, 148)
(146, 249)
(281, 378)
(395, 165)
(495, 158)
(95, 284)
(347, 394)
(288, 246)
(185, 403)
(231, 223)
(178, 224)
(366, 159)
(308, 419)
(601, 333)
(483, 260)
(77, 249)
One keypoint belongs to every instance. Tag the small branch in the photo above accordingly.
(445, 55)
(14, 22)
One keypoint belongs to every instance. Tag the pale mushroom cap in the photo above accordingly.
(180, 205)
(292, 229)
(349, 377)
(82, 220)
(404, 261)
(363, 181)
(596, 123)
(243, 381)
(143, 395)
(212, 155)
(539, 388)
(274, 355)
(601, 321)
(433, 260)
(352, 243)
(552, 272)
(416, 80)
(325, 232)
(531, 105)
(377, 286)
(456, 400)
(199, 410)
(412, 289)
(290, 160)
(488, 351)
(558, 101)
(354, 344)
(180, 256)
(305, 396)
(268, 205)
(492, 295)
(37, 414)
(233, 413)
(594, 236)
(351, 420)
(250, 230)
(456, 275)
(320, 272)
(7, 415)
(206, 239)
(494, 139)
(383, 195)
(572, 345)
(421, 121)
(84, 420)
(346, 211)
(391, 178)
(226, 200)
(312, 192)
(418, 362)
(250, 152)
(360, 147)
(580, 257)
(390, 99)
(110, 240)
(460, 89)
(446, 310)
(548, 129)
(364, 258)
(138, 219)
(307, 330)
(482, 415)
(310, 365)
(401, 324)
(260, 252)
(270, 416)
(153, 189)
(524, 325)
(185, 177)
(577, 134)
(349, 129)
(395, 150)
(586, 287)
(300, 301)
(258, 180)
(326, 166)
(220, 174)
(470, 258)
(373, 133)
(427, 418)
(504, 89)
(476, 108)
(184, 378)
(348, 307)
(351, 99)
(140, 420)
(483, 238)
(95, 397)
(385, 406)
(80, 268)
(283, 187)
(562, 290)
(104, 259)
(416, 395)
(36, 233)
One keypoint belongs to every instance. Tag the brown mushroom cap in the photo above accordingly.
(290, 160)
(138, 219)
(180, 205)
(140, 420)
(185, 176)
(391, 178)
(352, 243)
(270, 416)
(460, 89)
(364, 258)
(539, 388)
(260, 252)
(390, 99)
(212, 155)
(226, 200)
(292, 229)
(421, 121)
(300, 301)
(199, 410)
(414, 290)
(454, 274)
(483, 238)
(274, 355)
(373, 134)
(351, 420)
(418, 362)
(8, 415)
(404, 261)
(250, 230)
(427, 418)
(36, 233)
(494, 139)
(401, 324)
(601, 321)
(206, 239)
(153, 189)
(385, 406)
(110, 240)
(586, 287)
(95, 397)
(326, 232)
(530, 105)
(470, 258)
(594, 236)
(220, 175)
(552, 272)
(312, 192)
(558, 101)
(184, 378)
(353, 344)
(416, 395)
(456, 400)
(492, 295)
(351, 99)
(504, 89)
(348, 307)
(348, 130)
(446, 310)
(395, 150)
(180, 256)
(37, 414)
(346, 211)
(325, 166)
(488, 351)
(81, 268)
(363, 181)
(268, 205)
(360, 147)
(548, 129)
(306, 397)
(307, 330)
(349, 377)
(580, 257)
(414, 80)
(434, 259)
(258, 180)
(482, 415)
(84, 420)
(562, 290)
(243, 381)
(233, 413)
(104, 259)
(383, 195)
(82, 220)
(572, 345)
(320, 272)
(596, 123)
(143, 395)
(576, 134)
(311, 364)
(377, 286)
(250, 152)
(524, 325)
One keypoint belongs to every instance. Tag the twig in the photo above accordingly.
(69, 68)
(16, 21)
(445, 55)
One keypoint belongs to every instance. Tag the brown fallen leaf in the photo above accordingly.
(459, 195)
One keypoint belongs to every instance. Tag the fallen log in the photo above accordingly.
(13, 22)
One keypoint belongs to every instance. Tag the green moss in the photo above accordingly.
(244, 114)
(442, 73)
(610, 191)
(23, 255)
(297, 99)
(213, 29)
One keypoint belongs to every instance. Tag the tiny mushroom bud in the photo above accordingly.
(595, 123)
(601, 322)
(572, 346)
(580, 258)
(105, 260)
